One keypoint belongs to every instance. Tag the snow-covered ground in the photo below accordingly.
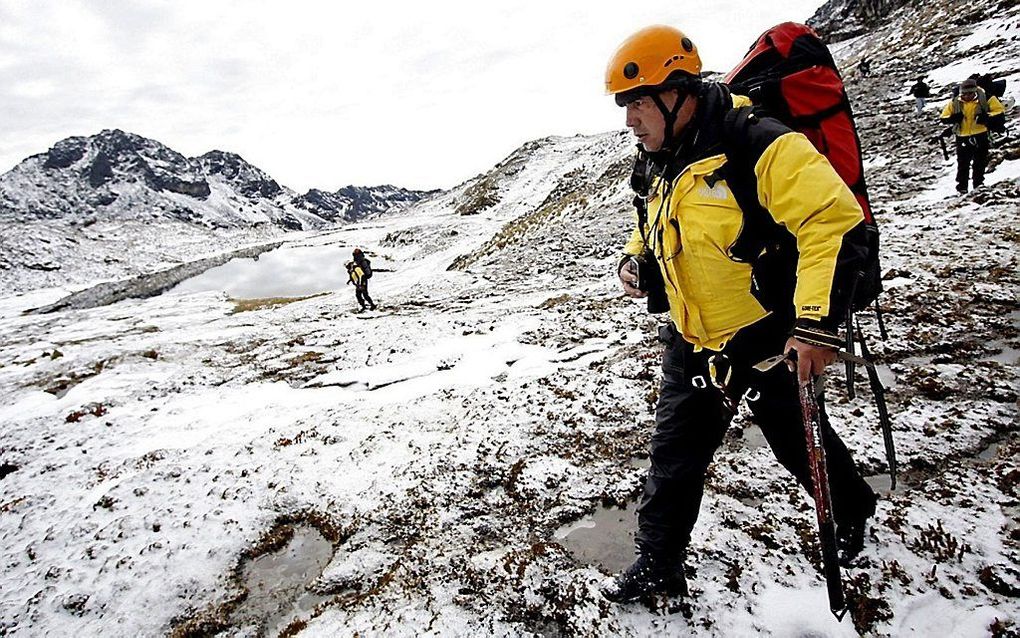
(449, 437)
(428, 468)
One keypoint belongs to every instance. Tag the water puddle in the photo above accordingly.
(989, 452)
(886, 376)
(909, 478)
(606, 538)
(1006, 355)
(278, 583)
(753, 502)
(753, 437)
(639, 462)
(289, 271)
(882, 483)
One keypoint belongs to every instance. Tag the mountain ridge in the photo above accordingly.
(113, 174)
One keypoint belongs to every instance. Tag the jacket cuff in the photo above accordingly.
(811, 332)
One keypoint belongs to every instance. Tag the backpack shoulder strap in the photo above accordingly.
(739, 168)
(734, 129)
(745, 137)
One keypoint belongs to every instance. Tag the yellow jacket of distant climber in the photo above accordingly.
(969, 125)
(356, 275)
(694, 219)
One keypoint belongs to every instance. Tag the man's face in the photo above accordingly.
(647, 122)
(968, 96)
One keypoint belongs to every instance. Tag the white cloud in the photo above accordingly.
(416, 94)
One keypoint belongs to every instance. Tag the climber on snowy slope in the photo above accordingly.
(728, 311)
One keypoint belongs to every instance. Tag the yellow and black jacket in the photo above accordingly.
(694, 221)
(974, 117)
(356, 275)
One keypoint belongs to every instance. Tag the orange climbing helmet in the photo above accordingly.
(655, 58)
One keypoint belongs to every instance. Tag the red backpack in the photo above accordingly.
(790, 75)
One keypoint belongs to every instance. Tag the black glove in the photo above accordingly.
(982, 119)
(954, 118)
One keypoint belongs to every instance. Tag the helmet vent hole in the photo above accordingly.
(668, 62)
(687, 44)
(630, 71)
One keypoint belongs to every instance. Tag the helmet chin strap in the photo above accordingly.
(669, 115)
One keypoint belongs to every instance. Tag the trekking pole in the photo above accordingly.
(878, 390)
(823, 499)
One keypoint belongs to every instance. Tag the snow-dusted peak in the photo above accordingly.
(352, 203)
(245, 177)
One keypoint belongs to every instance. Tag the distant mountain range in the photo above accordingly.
(119, 176)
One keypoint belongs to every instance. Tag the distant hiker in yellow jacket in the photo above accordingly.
(972, 113)
(356, 276)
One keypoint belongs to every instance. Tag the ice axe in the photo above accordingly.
(771, 362)
(941, 137)
(823, 499)
(811, 416)
(876, 389)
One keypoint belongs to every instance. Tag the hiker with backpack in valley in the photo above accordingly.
(921, 92)
(864, 66)
(972, 113)
(758, 249)
(359, 272)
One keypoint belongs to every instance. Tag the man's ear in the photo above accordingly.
(669, 97)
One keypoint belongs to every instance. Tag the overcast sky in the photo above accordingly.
(324, 94)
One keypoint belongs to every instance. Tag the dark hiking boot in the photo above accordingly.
(647, 576)
(961, 189)
(850, 539)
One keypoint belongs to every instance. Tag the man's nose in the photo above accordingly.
(632, 118)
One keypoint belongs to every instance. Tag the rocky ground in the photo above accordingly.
(424, 469)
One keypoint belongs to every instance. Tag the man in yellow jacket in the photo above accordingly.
(972, 113)
(356, 276)
(723, 317)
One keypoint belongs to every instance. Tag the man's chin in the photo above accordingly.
(648, 148)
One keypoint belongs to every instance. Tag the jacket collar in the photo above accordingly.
(701, 138)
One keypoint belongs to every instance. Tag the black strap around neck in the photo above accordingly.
(669, 115)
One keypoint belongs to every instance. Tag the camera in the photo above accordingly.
(650, 280)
